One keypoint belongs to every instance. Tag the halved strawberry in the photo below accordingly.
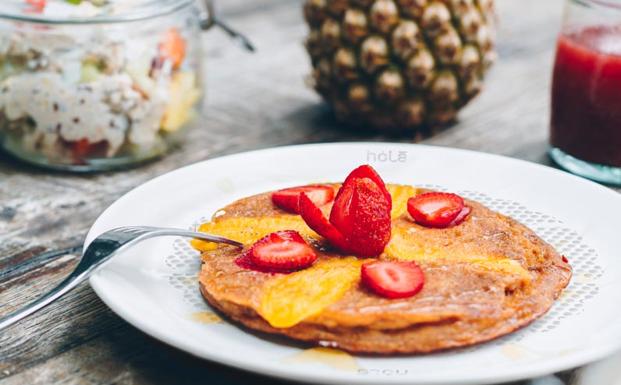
(435, 209)
(393, 279)
(289, 199)
(366, 171)
(362, 215)
(361, 212)
(314, 218)
(282, 251)
(360, 220)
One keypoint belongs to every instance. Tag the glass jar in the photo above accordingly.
(586, 91)
(88, 85)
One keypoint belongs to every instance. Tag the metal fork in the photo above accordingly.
(100, 251)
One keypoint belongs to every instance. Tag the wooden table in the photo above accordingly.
(253, 101)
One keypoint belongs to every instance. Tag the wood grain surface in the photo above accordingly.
(253, 101)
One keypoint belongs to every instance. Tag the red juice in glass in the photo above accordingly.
(586, 95)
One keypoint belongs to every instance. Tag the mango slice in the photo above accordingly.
(292, 298)
(400, 195)
(404, 247)
(248, 230)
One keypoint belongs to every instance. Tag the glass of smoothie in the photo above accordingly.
(585, 132)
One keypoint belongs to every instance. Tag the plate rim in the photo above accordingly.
(551, 366)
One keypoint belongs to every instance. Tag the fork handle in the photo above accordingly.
(74, 279)
(92, 259)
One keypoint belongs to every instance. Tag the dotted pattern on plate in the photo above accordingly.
(184, 263)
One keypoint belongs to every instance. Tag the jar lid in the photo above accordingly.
(87, 11)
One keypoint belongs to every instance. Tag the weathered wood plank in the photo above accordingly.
(253, 101)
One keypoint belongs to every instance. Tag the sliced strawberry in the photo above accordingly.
(565, 259)
(463, 214)
(245, 262)
(366, 171)
(314, 218)
(363, 218)
(340, 214)
(289, 199)
(392, 279)
(435, 209)
(282, 251)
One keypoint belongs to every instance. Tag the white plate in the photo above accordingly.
(153, 286)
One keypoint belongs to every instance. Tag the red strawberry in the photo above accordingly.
(340, 214)
(435, 209)
(360, 217)
(314, 218)
(289, 199)
(366, 171)
(362, 214)
(463, 214)
(282, 251)
(392, 279)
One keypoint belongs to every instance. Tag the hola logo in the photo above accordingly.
(389, 156)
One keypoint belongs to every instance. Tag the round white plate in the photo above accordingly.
(153, 286)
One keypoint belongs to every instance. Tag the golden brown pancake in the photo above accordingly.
(484, 278)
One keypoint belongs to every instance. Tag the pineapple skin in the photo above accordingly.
(398, 65)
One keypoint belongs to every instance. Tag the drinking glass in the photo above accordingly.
(585, 134)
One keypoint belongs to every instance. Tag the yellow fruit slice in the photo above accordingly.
(290, 299)
(248, 230)
(404, 247)
(400, 195)
(184, 93)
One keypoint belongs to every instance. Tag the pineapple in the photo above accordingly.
(399, 64)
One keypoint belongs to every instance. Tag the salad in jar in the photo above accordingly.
(96, 94)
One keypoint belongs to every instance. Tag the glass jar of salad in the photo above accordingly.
(586, 91)
(90, 85)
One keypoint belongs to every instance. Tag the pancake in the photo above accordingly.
(484, 278)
